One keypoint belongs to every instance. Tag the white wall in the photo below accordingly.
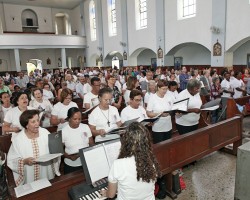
(240, 55)
(14, 11)
(194, 55)
(2, 19)
(195, 29)
(145, 56)
(237, 27)
(143, 37)
(6, 55)
(76, 21)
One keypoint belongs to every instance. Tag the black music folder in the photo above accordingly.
(55, 143)
(179, 107)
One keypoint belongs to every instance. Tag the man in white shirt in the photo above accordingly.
(226, 86)
(21, 81)
(134, 109)
(91, 98)
(70, 84)
(238, 86)
(80, 87)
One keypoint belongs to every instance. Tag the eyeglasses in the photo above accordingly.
(137, 100)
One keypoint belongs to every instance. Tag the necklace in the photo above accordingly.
(108, 122)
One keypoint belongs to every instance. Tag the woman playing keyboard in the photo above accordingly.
(133, 174)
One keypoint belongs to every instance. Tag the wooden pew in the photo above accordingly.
(232, 109)
(171, 154)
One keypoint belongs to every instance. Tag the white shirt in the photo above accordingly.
(189, 119)
(75, 139)
(71, 85)
(99, 118)
(87, 88)
(226, 85)
(129, 113)
(47, 94)
(61, 111)
(172, 95)
(91, 99)
(126, 96)
(80, 89)
(147, 96)
(237, 84)
(12, 117)
(157, 104)
(123, 172)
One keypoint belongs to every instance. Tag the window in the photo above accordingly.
(143, 13)
(113, 18)
(189, 8)
(92, 19)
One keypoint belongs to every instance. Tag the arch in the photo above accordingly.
(238, 44)
(93, 61)
(190, 53)
(29, 20)
(110, 56)
(180, 46)
(137, 56)
(62, 24)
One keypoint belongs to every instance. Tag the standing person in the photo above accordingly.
(91, 98)
(134, 109)
(158, 103)
(117, 97)
(215, 93)
(172, 91)
(151, 90)
(189, 122)
(238, 86)
(144, 84)
(133, 174)
(43, 105)
(75, 136)
(226, 86)
(206, 90)
(60, 110)
(132, 84)
(104, 117)
(29, 144)
(183, 77)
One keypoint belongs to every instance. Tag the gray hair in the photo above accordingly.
(214, 79)
(192, 84)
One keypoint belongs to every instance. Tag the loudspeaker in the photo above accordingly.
(29, 21)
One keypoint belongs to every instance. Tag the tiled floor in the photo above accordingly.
(213, 177)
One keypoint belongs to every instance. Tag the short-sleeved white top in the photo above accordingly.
(99, 118)
(237, 84)
(75, 139)
(61, 111)
(123, 172)
(129, 113)
(189, 119)
(226, 85)
(92, 99)
(157, 104)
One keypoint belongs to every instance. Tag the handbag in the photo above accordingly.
(4, 193)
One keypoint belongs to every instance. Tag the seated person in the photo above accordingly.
(133, 174)
(104, 117)
(75, 136)
(134, 109)
(91, 98)
(29, 144)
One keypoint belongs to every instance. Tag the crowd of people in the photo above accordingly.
(35, 101)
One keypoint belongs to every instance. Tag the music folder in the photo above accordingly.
(150, 120)
(55, 143)
(98, 159)
(179, 107)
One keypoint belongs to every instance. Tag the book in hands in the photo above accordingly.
(48, 157)
(150, 120)
(179, 107)
(120, 130)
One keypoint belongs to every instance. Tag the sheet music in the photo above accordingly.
(31, 187)
(48, 157)
(97, 163)
(112, 151)
(181, 105)
(211, 108)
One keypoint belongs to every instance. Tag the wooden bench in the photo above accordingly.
(171, 154)
(232, 109)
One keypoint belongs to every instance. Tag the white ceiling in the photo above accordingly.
(67, 4)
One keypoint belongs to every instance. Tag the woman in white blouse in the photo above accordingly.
(60, 110)
(5, 105)
(104, 117)
(43, 105)
(157, 104)
(75, 136)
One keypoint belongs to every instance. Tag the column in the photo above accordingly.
(17, 60)
(218, 31)
(82, 32)
(99, 26)
(63, 57)
(160, 32)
